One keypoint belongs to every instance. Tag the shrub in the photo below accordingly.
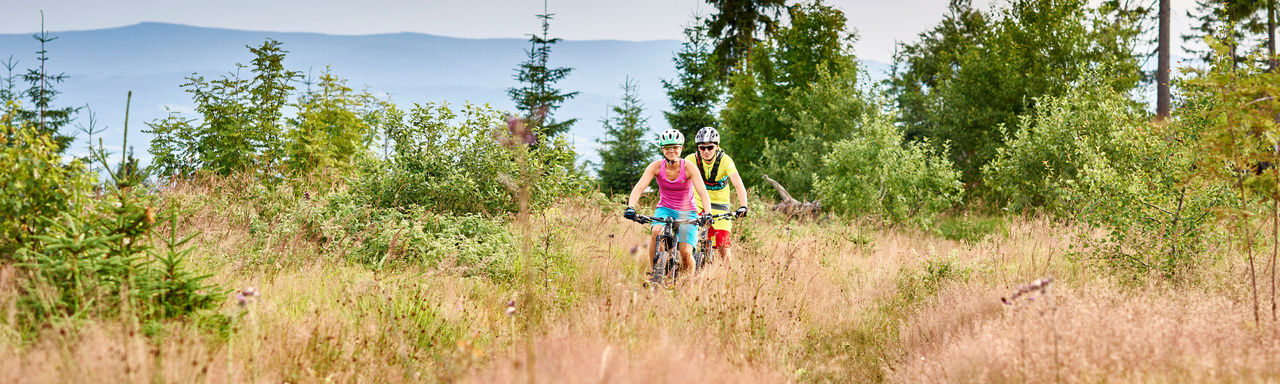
(875, 174)
(381, 238)
(83, 255)
(37, 185)
(467, 164)
(1072, 150)
(1091, 156)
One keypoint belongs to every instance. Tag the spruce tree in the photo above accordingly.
(1243, 21)
(7, 82)
(536, 97)
(695, 93)
(624, 150)
(48, 119)
(737, 27)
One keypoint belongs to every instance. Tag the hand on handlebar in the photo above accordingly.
(630, 213)
(741, 212)
(705, 219)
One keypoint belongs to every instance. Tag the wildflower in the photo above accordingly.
(1039, 285)
(520, 132)
(511, 308)
(246, 296)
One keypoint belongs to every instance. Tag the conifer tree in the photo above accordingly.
(695, 93)
(624, 150)
(7, 82)
(48, 119)
(536, 96)
(1244, 21)
(738, 26)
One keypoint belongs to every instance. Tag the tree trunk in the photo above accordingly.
(1271, 35)
(791, 207)
(1162, 68)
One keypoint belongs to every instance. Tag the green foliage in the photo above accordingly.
(625, 147)
(695, 93)
(82, 255)
(975, 76)
(332, 129)
(1243, 21)
(240, 125)
(269, 93)
(1090, 155)
(921, 69)
(1072, 150)
(37, 184)
(736, 28)
(467, 163)
(971, 228)
(822, 113)
(41, 93)
(769, 98)
(874, 173)
(7, 90)
(385, 238)
(537, 96)
(1236, 108)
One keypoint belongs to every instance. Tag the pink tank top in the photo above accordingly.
(677, 194)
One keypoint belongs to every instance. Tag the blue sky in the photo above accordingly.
(880, 24)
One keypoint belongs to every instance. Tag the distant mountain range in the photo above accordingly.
(151, 59)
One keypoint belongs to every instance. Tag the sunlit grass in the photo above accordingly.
(816, 301)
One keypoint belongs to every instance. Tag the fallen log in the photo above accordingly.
(792, 208)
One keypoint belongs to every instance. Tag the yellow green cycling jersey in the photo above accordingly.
(718, 183)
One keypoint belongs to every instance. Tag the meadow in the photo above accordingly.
(816, 300)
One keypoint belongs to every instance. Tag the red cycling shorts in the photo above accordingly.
(719, 237)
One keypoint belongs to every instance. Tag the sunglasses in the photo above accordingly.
(706, 147)
(671, 147)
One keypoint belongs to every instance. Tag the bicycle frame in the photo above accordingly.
(666, 254)
(703, 254)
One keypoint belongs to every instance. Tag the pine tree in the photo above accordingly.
(624, 150)
(1243, 21)
(7, 82)
(48, 119)
(695, 93)
(537, 96)
(738, 26)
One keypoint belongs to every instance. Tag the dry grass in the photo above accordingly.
(823, 302)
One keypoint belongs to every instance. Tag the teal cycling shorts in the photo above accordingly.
(688, 232)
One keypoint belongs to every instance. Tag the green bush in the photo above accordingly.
(1091, 156)
(1074, 153)
(83, 255)
(37, 185)
(876, 174)
(381, 238)
(471, 163)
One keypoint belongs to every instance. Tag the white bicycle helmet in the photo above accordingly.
(670, 137)
(707, 135)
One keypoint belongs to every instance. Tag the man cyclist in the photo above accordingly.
(677, 180)
(717, 171)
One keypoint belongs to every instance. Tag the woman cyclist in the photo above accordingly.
(677, 180)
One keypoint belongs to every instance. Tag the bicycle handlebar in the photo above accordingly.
(642, 219)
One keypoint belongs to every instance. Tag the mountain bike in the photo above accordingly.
(703, 254)
(666, 255)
